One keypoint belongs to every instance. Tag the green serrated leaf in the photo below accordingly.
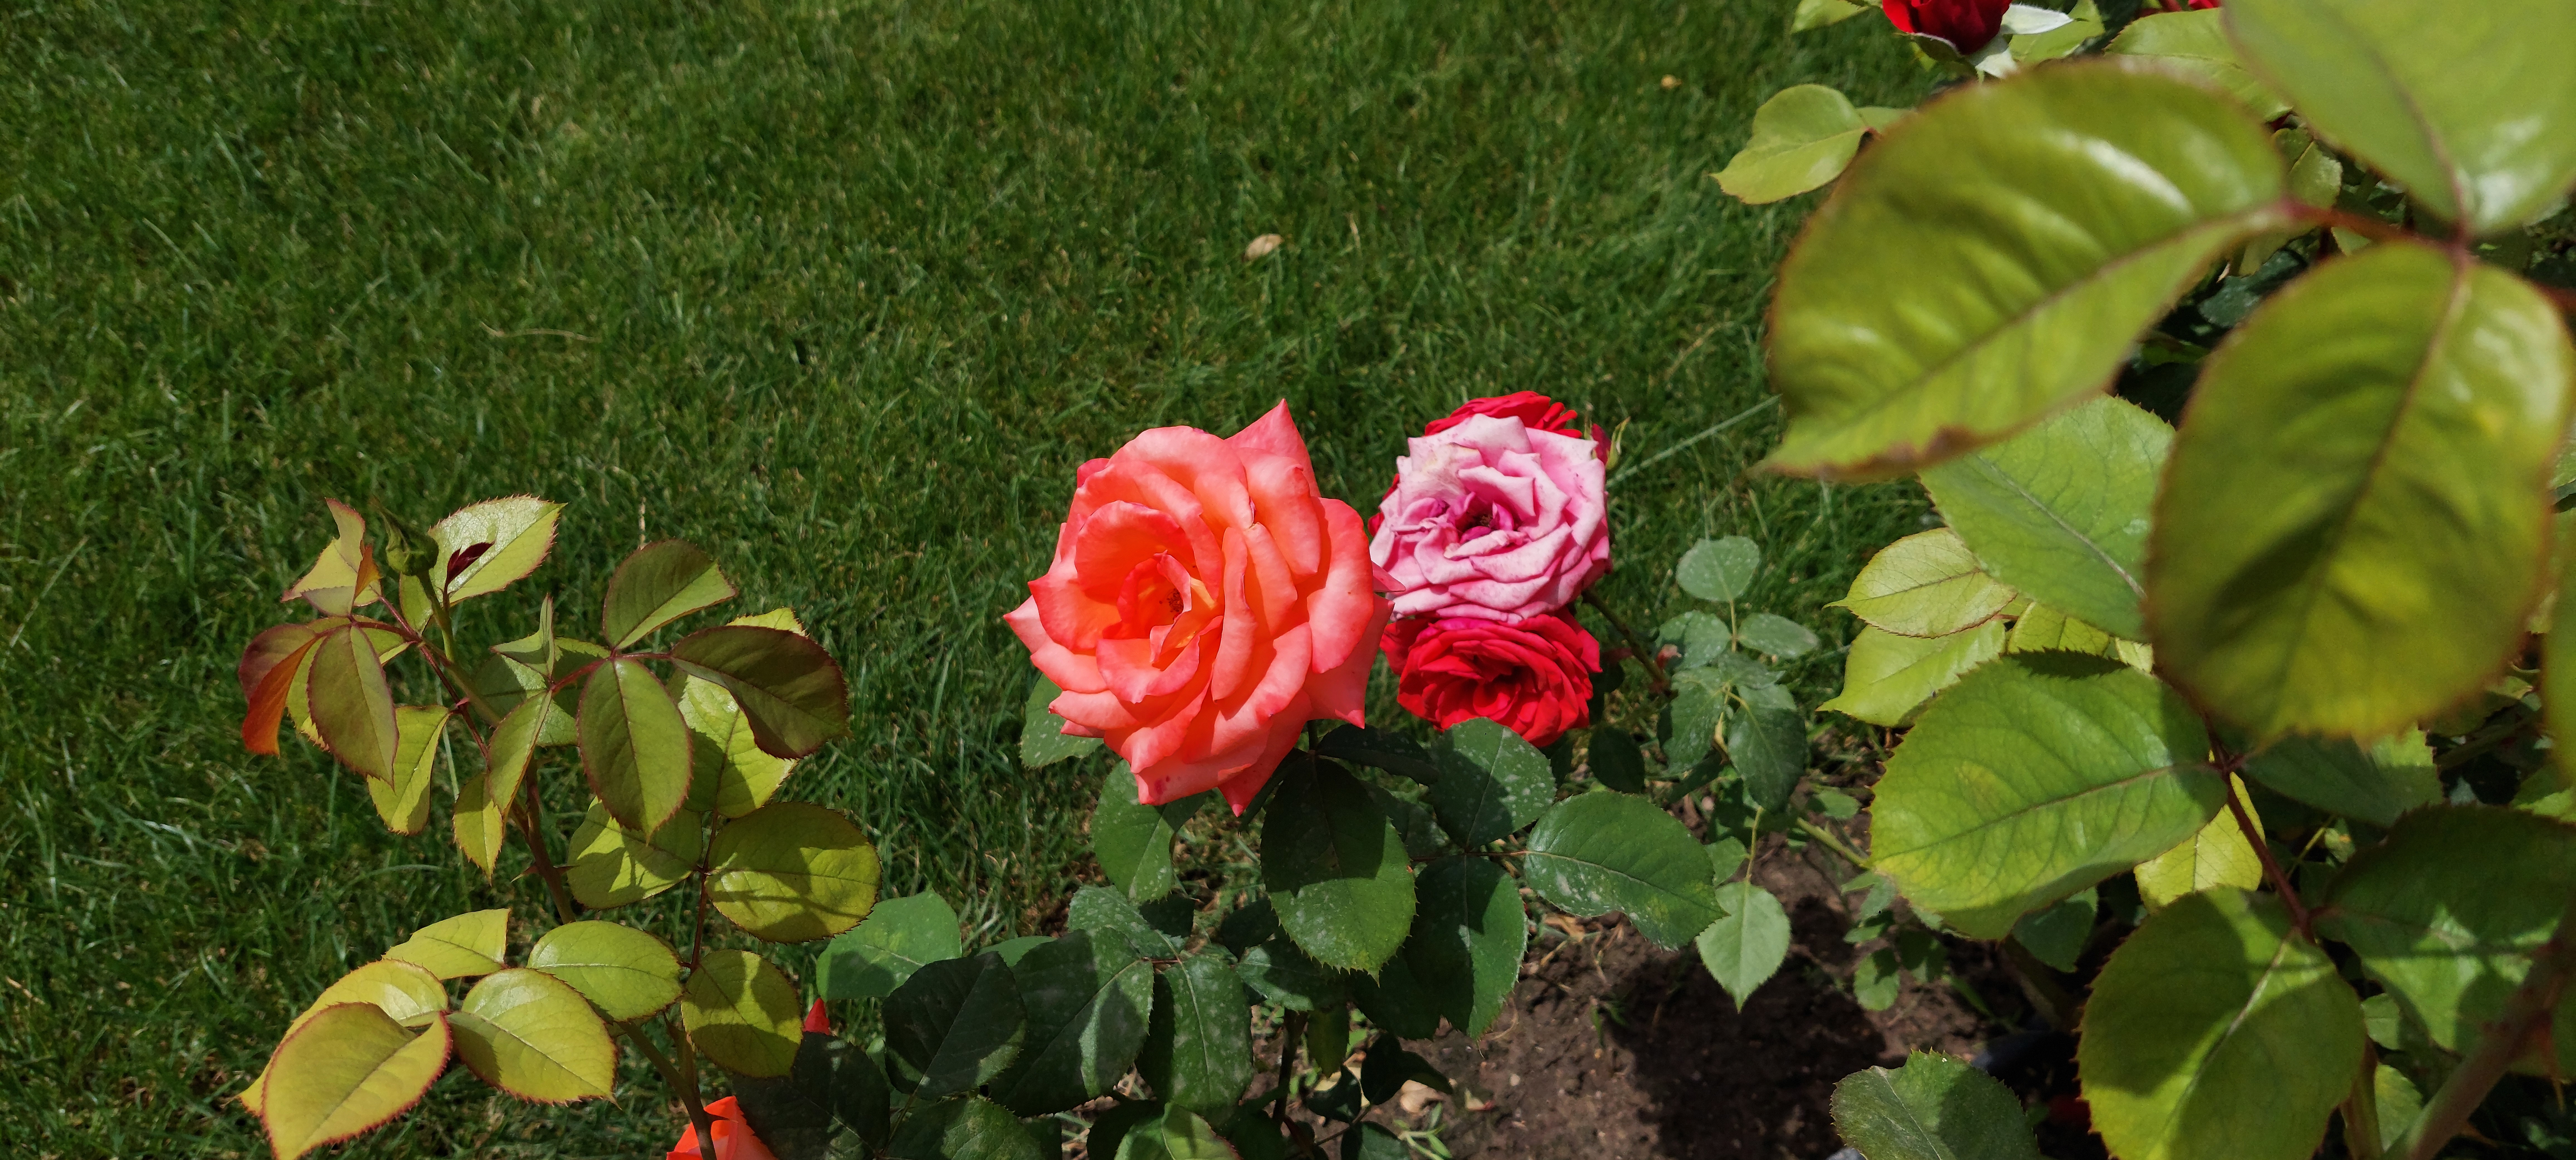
(1600, 852)
(2195, 44)
(1802, 138)
(899, 936)
(351, 705)
(1134, 842)
(1776, 636)
(626, 973)
(786, 685)
(1088, 1000)
(1468, 935)
(1933, 1108)
(1697, 712)
(833, 1104)
(966, 1128)
(1379, 749)
(1887, 678)
(403, 801)
(1109, 912)
(2060, 511)
(531, 1035)
(1926, 585)
(478, 824)
(729, 772)
(1492, 782)
(634, 745)
(2217, 856)
(1198, 1045)
(2182, 1055)
(461, 947)
(1616, 761)
(2390, 83)
(1719, 570)
(2057, 935)
(1285, 975)
(1335, 868)
(2039, 775)
(659, 583)
(611, 866)
(792, 872)
(1768, 744)
(1172, 1134)
(1994, 257)
(1819, 13)
(484, 547)
(349, 1069)
(743, 1013)
(1397, 1001)
(1748, 942)
(958, 1022)
(1043, 741)
(2390, 567)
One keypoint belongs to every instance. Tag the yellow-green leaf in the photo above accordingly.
(625, 972)
(611, 866)
(1927, 584)
(656, 585)
(530, 1034)
(480, 823)
(460, 947)
(1802, 138)
(344, 575)
(793, 872)
(2387, 568)
(742, 1013)
(634, 745)
(2196, 43)
(2217, 856)
(1993, 259)
(730, 774)
(348, 1070)
(2060, 511)
(484, 547)
(403, 802)
(2040, 628)
(513, 744)
(405, 992)
(352, 706)
(1887, 678)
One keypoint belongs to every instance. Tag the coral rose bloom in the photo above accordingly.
(1533, 678)
(1494, 520)
(1205, 603)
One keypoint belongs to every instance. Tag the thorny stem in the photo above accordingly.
(2526, 1015)
(1654, 664)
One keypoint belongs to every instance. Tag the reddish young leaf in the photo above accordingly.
(344, 576)
(267, 671)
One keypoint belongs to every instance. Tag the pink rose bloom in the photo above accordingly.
(1205, 603)
(1492, 520)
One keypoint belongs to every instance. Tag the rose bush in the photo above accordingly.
(1533, 676)
(1204, 604)
(1492, 518)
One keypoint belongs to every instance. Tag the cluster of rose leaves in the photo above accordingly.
(1206, 601)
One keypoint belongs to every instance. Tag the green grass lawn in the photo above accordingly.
(843, 291)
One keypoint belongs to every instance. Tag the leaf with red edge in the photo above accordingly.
(267, 671)
(353, 707)
(634, 744)
(344, 576)
(658, 584)
(533, 1036)
(484, 547)
(789, 688)
(349, 1070)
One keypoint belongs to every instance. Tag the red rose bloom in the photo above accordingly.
(1968, 25)
(1532, 676)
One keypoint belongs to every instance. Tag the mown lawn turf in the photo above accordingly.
(841, 291)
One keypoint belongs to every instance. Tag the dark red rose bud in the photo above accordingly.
(1968, 25)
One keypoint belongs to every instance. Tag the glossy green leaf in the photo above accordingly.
(729, 772)
(460, 947)
(479, 824)
(899, 936)
(347, 1071)
(1398, 1001)
(1933, 1108)
(531, 1035)
(634, 745)
(1089, 999)
(2216, 1030)
(1013, 950)
(1285, 975)
(1335, 868)
(2040, 628)
(1169, 1134)
(2470, 107)
(513, 744)
(1926, 585)
(1109, 912)
(1704, 639)
(2195, 43)
(1387, 1067)
(787, 686)
(1819, 13)
(1492, 782)
(1134, 842)
(792, 872)
(611, 866)
(1599, 852)
(2058, 934)
(1198, 1044)
(1992, 260)
(2217, 856)
(1887, 678)
(743, 1013)
(659, 583)
(958, 1023)
(1043, 741)
(1698, 711)
(1802, 138)
(1719, 570)
(2060, 511)
(833, 1104)
(1767, 741)
(484, 547)
(2447, 912)
(2036, 777)
(2389, 569)
(1468, 935)
(352, 706)
(403, 801)
(626, 973)
(966, 1128)
(1379, 749)
(1748, 942)
(1616, 761)
(1776, 636)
